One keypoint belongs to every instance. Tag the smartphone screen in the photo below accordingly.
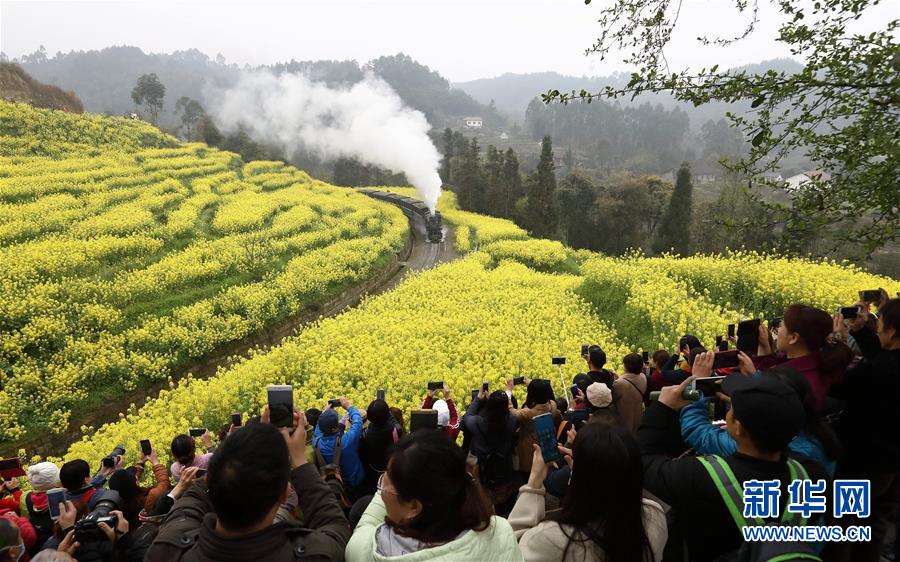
(435, 385)
(518, 380)
(474, 394)
(145, 446)
(484, 386)
(707, 385)
(55, 497)
(646, 356)
(871, 296)
(558, 361)
(236, 420)
(379, 394)
(422, 419)
(573, 390)
(849, 312)
(584, 349)
(281, 405)
(196, 431)
(725, 359)
(546, 437)
(748, 336)
(731, 330)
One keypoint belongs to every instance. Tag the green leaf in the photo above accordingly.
(759, 138)
(758, 101)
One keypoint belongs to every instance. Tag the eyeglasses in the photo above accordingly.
(380, 486)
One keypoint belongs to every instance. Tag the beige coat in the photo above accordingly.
(527, 436)
(629, 401)
(545, 541)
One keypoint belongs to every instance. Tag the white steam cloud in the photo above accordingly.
(367, 120)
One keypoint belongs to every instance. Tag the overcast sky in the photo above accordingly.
(462, 40)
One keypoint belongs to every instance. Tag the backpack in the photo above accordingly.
(495, 466)
(732, 494)
(40, 519)
(331, 472)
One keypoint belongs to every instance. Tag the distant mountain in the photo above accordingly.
(512, 92)
(104, 80)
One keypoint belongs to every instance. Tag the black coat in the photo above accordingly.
(869, 424)
(188, 533)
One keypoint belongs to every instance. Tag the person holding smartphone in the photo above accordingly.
(603, 515)
(538, 400)
(596, 359)
(382, 433)
(231, 517)
(448, 419)
(678, 367)
(135, 497)
(184, 451)
(42, 476)
(328, 439)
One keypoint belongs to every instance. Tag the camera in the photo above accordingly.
(87, 528)
(109, 461)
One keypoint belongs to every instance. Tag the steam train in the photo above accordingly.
(433, 224)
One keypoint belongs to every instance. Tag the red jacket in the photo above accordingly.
(29, 535)
(11, 502)
(452, 430)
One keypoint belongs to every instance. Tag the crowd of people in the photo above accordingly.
(641, 471)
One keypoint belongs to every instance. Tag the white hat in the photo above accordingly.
(443, 412)
(43, 476)
(599, 395)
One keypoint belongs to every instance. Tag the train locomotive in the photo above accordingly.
(433, 224)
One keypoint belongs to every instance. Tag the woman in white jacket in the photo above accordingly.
(603, 516)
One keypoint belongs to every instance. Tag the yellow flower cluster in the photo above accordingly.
(543, 255)
(462, 323)
(122, 260)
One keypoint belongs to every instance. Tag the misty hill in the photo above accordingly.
(513, 92)
(17, 85)
(104, 80)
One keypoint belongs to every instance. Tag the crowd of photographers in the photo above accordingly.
(643, 464)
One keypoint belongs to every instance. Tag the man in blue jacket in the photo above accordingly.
(326, 436)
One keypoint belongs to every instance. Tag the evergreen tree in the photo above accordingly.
(493, 172)
(468, 179)
(675, 227)
(149, 92)
(444, 170)
(577, 208)
(510, 184)
(541, 188)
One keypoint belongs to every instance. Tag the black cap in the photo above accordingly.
(769, 409)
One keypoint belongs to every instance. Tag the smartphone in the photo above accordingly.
(731, 330)
(725, 359)
(11, 468)
(281, 405)
(145, 446)
(546, 437)
(722, 345)
(485, 386)
(379, 394)
(435, 385)
(55, 497)
(585, 349)
(573, 390)
(558, 361)
(475, 394)
(236, 420)
(646, 356)
(518, 380)
(849, 312)
(872, 296)
(335, 403)
(195, 432)
(748, 336)
(707, 385)
(422, 419)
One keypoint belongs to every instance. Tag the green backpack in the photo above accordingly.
(732, 494)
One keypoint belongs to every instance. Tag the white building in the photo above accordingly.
(473, 122)
(794, 182)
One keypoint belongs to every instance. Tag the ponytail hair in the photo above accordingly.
(813, 326)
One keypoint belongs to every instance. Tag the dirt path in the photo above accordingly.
(417, 255)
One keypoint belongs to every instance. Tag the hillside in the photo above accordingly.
(126, 257)
(104, 79)
(17, 86)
